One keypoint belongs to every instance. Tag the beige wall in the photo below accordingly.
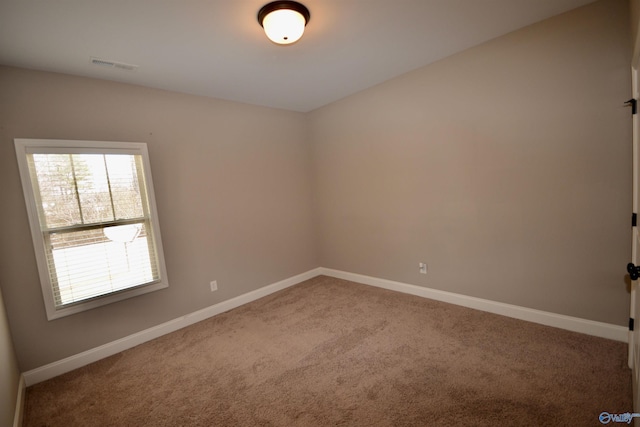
(232, 187)
(9, 372)
(506, 168)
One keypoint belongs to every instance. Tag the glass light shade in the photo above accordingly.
(284, 26)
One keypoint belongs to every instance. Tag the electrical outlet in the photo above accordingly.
(423, 267)
(214, 285)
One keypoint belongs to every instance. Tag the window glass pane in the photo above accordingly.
(93, 188)
(107, 185)
(58, 201)
(125, 188)
(90, 263)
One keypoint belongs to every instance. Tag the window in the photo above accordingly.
(93, 221)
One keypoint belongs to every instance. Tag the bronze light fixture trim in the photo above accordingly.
(284, 21)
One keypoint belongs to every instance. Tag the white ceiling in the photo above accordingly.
(217, 48)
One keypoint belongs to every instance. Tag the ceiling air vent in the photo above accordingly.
(113, 64)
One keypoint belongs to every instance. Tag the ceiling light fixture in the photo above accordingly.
(283, 21)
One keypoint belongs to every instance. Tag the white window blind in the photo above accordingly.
(93, 221)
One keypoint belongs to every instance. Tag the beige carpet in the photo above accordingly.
(330, 352)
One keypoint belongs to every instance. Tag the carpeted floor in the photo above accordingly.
(329, 352)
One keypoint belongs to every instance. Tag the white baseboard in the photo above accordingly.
(575, 324)
(68, 364)
(17, 415)
(599, 329)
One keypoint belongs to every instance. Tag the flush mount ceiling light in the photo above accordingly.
(283, 21)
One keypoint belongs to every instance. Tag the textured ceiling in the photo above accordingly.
(217, 48)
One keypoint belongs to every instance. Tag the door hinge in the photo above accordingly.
(634, 219)
(634, 105)
(631, 324)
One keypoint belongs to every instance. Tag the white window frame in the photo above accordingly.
(26, 146)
